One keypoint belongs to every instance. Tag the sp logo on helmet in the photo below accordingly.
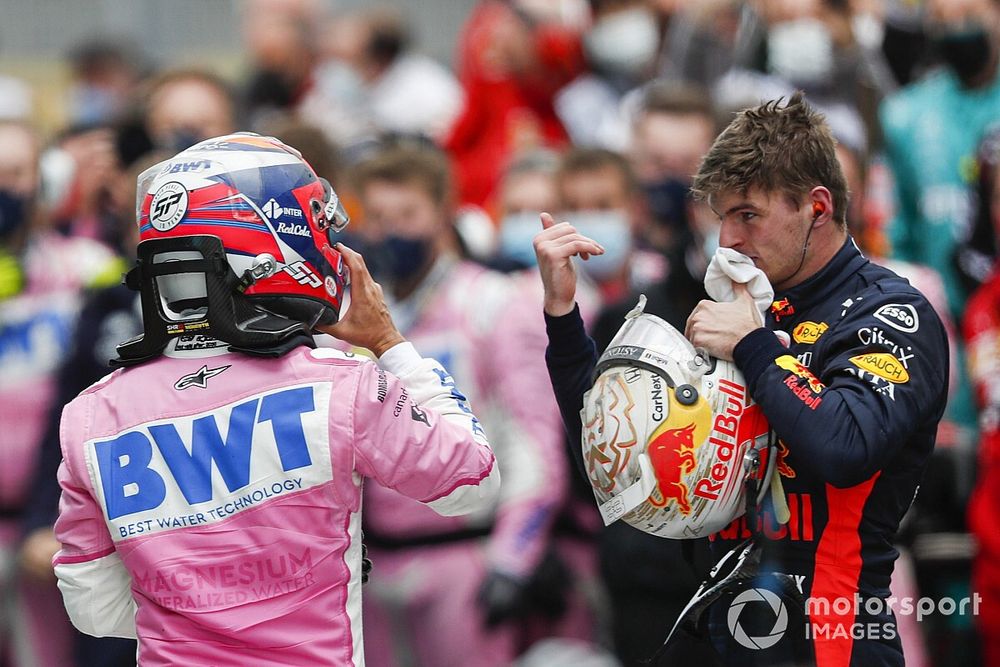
(168, 206)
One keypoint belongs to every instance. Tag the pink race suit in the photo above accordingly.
(36, 330)
(211, 504)
(487, 329)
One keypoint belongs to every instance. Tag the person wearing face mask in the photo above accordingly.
(931, 130)
(621, 48)
(42, 275)
(185, 106)
(672, 129)
(468, 591)
(106, 73)
(598, 191)
(829, 49)
(527, 188)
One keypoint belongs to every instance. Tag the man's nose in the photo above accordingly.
(729, 236)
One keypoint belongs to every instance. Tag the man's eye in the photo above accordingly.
(747, 216)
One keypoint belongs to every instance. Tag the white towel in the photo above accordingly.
(729, 267)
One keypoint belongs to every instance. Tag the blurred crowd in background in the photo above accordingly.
(598, 111)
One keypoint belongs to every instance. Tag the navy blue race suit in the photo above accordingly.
(855, 401)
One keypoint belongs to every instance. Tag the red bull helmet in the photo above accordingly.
(671, 435)
(237, 243)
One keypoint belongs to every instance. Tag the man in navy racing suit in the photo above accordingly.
(855, 399)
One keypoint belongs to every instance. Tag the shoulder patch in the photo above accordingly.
(900, 316)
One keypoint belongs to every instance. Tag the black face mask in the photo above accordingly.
(667, 200)
(397, 259)
(13, 212)
(181, 140)
(965, 51)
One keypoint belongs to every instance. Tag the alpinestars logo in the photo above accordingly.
(199, 378)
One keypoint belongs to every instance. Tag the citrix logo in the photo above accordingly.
(131, 485)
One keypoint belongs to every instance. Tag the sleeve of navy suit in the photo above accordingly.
(571, 357)
(850, 415)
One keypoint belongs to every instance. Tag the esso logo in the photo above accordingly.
(902, 317)
(168, 206)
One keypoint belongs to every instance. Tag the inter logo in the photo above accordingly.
(272, 209)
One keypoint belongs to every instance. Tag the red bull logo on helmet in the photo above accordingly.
(671, 451)
(734, 430)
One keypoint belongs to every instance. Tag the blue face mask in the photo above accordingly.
(13, 212)
(92, 105)
(401, 259)
(517, 232)
(610, 229)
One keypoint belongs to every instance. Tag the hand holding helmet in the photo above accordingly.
(236, 243)
(367, 323)
(718, 327)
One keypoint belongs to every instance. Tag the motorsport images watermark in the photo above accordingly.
(760, 601)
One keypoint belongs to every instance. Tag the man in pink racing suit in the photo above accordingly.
(38, 309)
(212, 487)
(472, 591)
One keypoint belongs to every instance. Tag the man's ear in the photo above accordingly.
(822, 205)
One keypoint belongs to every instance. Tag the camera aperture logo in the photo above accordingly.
(758, 599)
(833, 618)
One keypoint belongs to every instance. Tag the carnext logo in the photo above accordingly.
(262, 446)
